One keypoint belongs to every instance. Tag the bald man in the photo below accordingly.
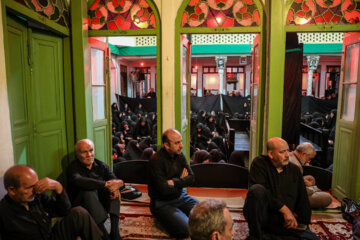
(277, 202)
(94, 186)
(169, 174)
(26, 210)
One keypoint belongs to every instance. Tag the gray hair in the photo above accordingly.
(205, 218)
(306, 148)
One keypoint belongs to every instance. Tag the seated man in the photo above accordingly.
(210, 220)
(26, 210)
(277, 202)
(301, 156)
(169, 174)
(95, 187)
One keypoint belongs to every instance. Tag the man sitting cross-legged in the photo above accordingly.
(26, 210)
(277, 202)
(169, 174)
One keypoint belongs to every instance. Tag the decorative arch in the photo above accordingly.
(121, 15)
(214, 17)
(223, 13)
(321, 12)
(54, 10)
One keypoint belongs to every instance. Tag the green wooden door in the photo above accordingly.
(34, 62)
(100, 76)
(48, 103)
(18, 80)
(346, 175)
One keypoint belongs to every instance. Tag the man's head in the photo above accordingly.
(85, 152)
(305, 152)
(172, 141)
(278, 152)
(20, 181)
(210, 220)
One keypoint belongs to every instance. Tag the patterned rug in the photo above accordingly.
(143, 226)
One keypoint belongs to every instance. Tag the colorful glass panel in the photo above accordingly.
(55, 10)
(120, 15)
(305, 12)
(220, 13)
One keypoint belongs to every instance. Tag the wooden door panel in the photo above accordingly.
(48, 84)
(22, 150)
(100, 141)
(50, 152)
(346, 175)
(18, 90)
(100, 77)
(48, 104)
(344, 139)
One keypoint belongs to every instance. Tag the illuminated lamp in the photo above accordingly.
(142, 64)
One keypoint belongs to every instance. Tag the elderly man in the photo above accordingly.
(169, 174)
(277, 202)
(301, 156)
(210, 220)
(95, 187)
(26, 210)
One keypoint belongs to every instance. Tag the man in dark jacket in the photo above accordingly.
(277, 201)
(26, 210)
(169, 174)
(94, 186)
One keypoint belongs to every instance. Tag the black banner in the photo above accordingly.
(311, 104)
(149, 104)
(208, 103)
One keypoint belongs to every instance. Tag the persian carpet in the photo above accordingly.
(143, 226)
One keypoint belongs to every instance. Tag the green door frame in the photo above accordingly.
(64, 32)
(276, 72)
(223, 30)
(142, 32)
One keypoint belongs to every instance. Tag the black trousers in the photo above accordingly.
(262, 220)
(98, 204)
(78, 223)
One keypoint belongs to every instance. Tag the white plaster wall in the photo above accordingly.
(6, 150)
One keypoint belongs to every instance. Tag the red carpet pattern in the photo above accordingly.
(143, 226)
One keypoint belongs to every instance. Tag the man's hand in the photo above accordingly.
(184, 173)
(114, 185)
(289, 218)
(115, 195)
(170, 182)
(48, 184)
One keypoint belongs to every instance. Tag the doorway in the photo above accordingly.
(36, 96)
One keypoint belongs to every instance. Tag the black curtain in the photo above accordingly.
(292, 90)
(149, 104)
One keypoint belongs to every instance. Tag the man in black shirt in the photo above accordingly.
(94, 186)
(277, 201)
(169, 174)
(26, 210)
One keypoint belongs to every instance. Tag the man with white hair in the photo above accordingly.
(301, 156)
(95, 187)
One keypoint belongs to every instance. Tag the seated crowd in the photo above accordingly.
(277, 204)
(326, 123)
(135, 134)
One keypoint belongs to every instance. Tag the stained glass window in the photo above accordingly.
(304, 12)
(220, 13)
(120, 15)
(55, 10)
